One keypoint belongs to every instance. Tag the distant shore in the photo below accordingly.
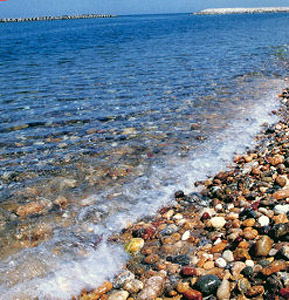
(52, 18)
(242, 10)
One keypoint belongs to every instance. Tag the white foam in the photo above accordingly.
(65, 275)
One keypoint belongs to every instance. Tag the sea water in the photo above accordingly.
(115, 115)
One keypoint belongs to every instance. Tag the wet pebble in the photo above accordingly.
(208, 284)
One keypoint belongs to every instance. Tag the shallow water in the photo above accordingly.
(116, 115)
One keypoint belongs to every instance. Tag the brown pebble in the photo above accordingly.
(282, 218)
(255, 291)
(281, 181)
(191, 294)
(276, 160)
(241, 254)
(182, 286)
(263, 246)
(209, 265)
(249, 223)
(218, 248)
(281, 194)
(274, 267)
(249, 233)
(152, 259)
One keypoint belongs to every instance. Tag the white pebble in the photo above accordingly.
(186, 235)
(219, 207)
(264, 221)
(218, 222)
(249, 263)
(230, 206)
(218, 241)
(220, 262)
(281, 209)
(228, 255)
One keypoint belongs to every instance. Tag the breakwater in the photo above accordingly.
(53, 18)
(242, 10)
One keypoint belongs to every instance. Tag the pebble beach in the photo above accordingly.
(229, 241)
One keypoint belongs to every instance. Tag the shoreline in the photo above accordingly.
(230, 241)
(53, 18)
(242, 10)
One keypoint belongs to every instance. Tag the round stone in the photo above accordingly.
(221, 262)
(208, 284)
(228, 255)
(264, 221)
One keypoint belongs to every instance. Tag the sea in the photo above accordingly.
(103, 120)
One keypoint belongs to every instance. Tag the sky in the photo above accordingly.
(30, 8)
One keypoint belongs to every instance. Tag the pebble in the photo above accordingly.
(134, 245)
(154, 287)
(264, 221)
(208, 284)
(281, 194)
(119, 295)
(263, 246)
(228, 255)
(133, 286)
(281, 209)
(191, 294)
(221, 263)
(121, 279)
(223, 292)
(217, 222)
(249, 263)
(186, 235)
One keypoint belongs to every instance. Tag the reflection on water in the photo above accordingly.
(102, 120)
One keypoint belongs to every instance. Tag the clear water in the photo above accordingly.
(101, 111)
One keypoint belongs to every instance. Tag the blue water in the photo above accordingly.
(109, 104)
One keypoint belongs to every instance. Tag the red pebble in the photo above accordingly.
(191, 294)
(255, 205)
(188, 271)
(149, 232)
(205, 216)
(284, 293)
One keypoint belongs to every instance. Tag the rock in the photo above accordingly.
(263, 246)
(61, 202)
(228, 256)
(276, 160)
(249, 222)
(183, 286)
(284, 292)
(283, 253)
(264, 221)
(182, 260)
(281, 209)
(119, 295)
(217, 222)
(249, 263)
(103, 289)
(281, 194)
(241, 254)
(208, 284)
(255, 291)
(243, 285)
(122, 278)
(188, 271)
(133, 286)
(218, 248)
(274, 267)
(134, 246)
(154, 287)
(33, 208)
(280, 232)
(281, 181)
(221, 263)
(223, 292)
(248, 272)
(237, 268)
(191, 294)
(186, 235)
(152, 259)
